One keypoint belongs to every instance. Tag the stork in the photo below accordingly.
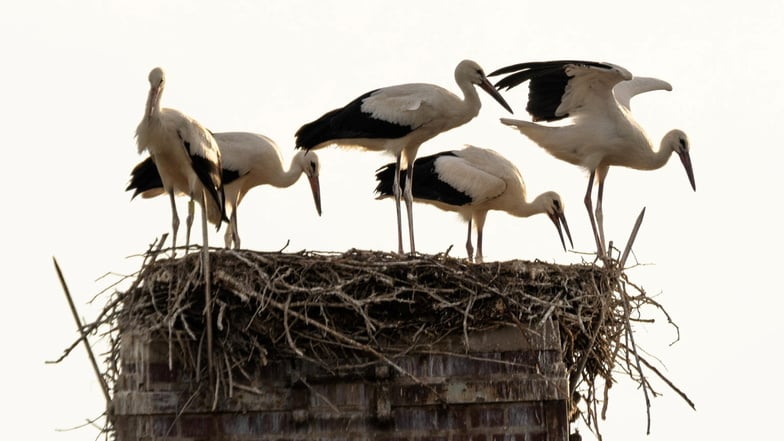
(398, 119)
(602, 132)
(471, 182)
(249, 160)
(185, 154)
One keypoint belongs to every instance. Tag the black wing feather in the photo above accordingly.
(348, 122)
(547, 85)
(209, 173)
(427, 185)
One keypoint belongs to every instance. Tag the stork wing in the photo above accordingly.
(240, 150)
(625, 90)
(559, 89)
(590, 89)
(203, 150)
(411, 105)
(463, 176)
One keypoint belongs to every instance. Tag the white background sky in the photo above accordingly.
(74, 84)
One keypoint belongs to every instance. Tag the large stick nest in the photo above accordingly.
(348, 310)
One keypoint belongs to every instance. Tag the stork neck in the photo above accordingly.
(664, 154)
(153, 109)
(286, 178)
(647, 158)
(526, 209)
(471, 98)
(658, 158)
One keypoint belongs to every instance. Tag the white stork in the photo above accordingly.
(471, 182)
(398, 119)
(249, 160)
(602, 132)
(185, 154)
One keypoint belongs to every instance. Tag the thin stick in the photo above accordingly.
(632, 236)
(205, 253)
(669, 383)
(627, 312)
(67, 292)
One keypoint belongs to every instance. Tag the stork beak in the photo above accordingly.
(686, 161)
(152, 100)
(559, 219)
(488, 87)
(316, 189)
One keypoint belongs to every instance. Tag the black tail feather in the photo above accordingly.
(144, 177)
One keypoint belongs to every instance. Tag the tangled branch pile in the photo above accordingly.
(346, 310)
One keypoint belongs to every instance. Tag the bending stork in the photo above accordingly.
(249, 160)
(603, 132)
(471, 182)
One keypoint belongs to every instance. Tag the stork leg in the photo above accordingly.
(408, 196)
(480, 227)
(175, 222)
(235, 232)
(205, 260)
(228, 237)
(479, 257)
(396, 191)
(188, 225)
(599, 212)
(589, 206)
(469, 246)
(232, 234)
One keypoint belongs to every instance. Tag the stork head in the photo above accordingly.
(471, 71)
(157, 79)
(308, 162)
(553, 206)
(679, 143)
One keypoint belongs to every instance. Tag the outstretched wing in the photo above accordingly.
(626, 90)
(559, 89)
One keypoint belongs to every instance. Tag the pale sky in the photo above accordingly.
(75, 85)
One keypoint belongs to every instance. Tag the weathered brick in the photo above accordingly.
(391, 438)
(473, 436)
(160, 373)
(431, 438)
(163, 426)
(484, 397)
(197, 426)
(526, 415)
(417, 419)
(456, 418)
(537, 436)
(235, 425)
(486, 416)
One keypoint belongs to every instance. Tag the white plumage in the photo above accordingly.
(471, 182)
(602, 132)
(398, 119)
(248, 160)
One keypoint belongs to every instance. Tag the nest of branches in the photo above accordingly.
(349, 310)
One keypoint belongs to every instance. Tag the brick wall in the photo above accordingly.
(510, 385)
